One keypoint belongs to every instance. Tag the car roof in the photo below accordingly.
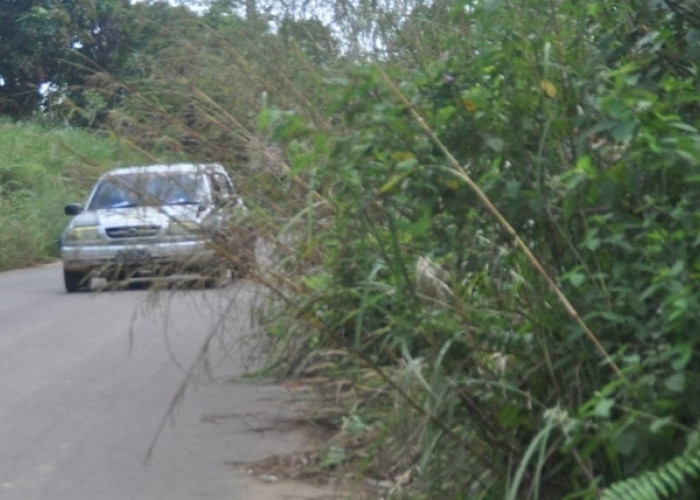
(168, 168)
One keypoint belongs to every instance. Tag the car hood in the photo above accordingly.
(140, 216)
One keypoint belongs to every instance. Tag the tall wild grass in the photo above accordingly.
(41, 169)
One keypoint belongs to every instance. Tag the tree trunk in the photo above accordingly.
(251, 10)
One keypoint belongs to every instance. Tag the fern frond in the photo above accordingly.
(666, 480)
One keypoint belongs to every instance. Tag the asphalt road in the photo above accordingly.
(87, 379)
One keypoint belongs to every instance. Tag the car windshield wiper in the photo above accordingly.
(182, 202)
(111, 206)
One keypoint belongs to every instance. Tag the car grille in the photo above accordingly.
(132, 231)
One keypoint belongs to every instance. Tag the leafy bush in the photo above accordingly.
(550, 374)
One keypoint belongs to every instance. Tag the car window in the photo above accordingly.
(150, 189)
(221, 187)
(110, 193)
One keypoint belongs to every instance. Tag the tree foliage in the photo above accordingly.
(46, 43)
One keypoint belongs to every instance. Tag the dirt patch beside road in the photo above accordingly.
(297, 474)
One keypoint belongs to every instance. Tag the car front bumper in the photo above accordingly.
(143, 258)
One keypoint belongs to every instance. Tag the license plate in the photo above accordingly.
(132, 257)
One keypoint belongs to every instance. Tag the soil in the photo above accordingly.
(298, 475)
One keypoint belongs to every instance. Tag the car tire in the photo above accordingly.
(240, 269)
(243, 265)
(218, 279)
(75, 280)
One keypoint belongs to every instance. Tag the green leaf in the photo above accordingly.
(603, 407)
(624, 131)
(443, 115)
(627, 443)
(659, 485)
(636, 305)
(618, 110)
(626, 69)
(684, 127)
(660, 423)
(513, 189)
(392, 183)
(407, 164)
(577, 279)
(334, 457)
(267, 117)
(591, 240)
(675, 382)
(421, 226)
(684, 353)
(594, 8)
(511, 416)
(495, 143)
(677, 269)
(584, 164)
(674, 470)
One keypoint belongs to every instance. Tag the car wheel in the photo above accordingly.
(218, 278)
(75, 280)
(245, 264)
(240, 269)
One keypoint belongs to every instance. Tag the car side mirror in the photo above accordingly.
(73, 209)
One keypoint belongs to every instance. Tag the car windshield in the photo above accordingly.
(147, 189)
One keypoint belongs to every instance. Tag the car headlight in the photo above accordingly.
(186, 228)
(81, 234)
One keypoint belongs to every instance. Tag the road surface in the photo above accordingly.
(87, 379)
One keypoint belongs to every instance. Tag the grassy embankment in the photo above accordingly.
(41, 169)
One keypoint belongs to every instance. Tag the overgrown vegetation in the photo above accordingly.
(43, 168)
(485, 220)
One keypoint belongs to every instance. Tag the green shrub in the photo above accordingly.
(550, 375)
(42, 169)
